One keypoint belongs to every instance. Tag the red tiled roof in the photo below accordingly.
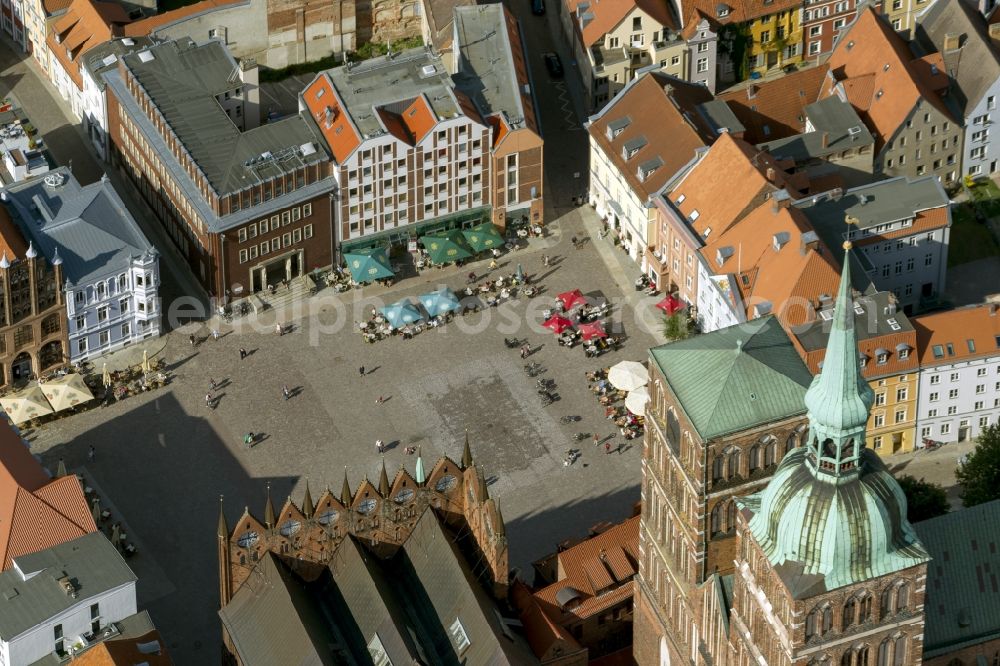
(740, 11)
(607, 14)
(718, 203)
(668, 121)
(85, 24)
(330, 115)
(875, 66)
(542, 633)
(777, 105)
(978, 323)
(36, 513)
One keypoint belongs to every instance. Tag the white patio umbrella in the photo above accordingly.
(628, 375)
(636, 400)
(66, 392)
(26, 404)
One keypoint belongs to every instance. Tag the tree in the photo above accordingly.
(980, 473)
(677, 327)
(923, 499)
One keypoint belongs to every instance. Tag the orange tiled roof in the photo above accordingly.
(546, 638)
(777, 105)
(740, 11)
(85, 24)
(607, 14)
(668, 121)
(146, 26)
(607, 560)
(889, 84)
(925, 220)
(329, 112)
(36, 512)
(978, 323)
(718, 203)
(788, 278)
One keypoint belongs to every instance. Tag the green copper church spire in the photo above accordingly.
(832, 511)
(839, 399)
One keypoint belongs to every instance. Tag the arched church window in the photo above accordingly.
(770, 453)
(864, 608)
(883, 653)
(731, 516)
(732, 463)
(754, 458)
(862, 656)
(716, 519)
(790, 442)
(827, 618)
(902, 597)
(849, 616)
(886, 605)
(717, 468)
(899, 651)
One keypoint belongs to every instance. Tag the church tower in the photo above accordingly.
(829, 572)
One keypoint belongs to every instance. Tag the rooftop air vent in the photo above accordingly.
(145, 56)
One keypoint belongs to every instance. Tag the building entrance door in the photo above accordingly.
(276, 270)
(963, 430)
(21, 367)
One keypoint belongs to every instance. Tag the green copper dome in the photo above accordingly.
(832, 514)
(844, 532)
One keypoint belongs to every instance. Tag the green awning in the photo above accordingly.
(484, 237)
(369, 264)
(447, 246)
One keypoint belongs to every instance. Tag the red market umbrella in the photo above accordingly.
(594, 329)
(558, 324)
(570, 299)
(671, 304)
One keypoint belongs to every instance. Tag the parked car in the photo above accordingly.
(538, 7)
(554, 64)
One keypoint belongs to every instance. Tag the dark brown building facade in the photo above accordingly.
(246, 214)
(33, 330)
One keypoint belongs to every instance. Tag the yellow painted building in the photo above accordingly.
(893, 420)
(775, 40)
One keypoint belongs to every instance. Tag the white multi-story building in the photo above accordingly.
(900, 228)
(112, 272)
(62, 599)
(965, 44)
(959, 390)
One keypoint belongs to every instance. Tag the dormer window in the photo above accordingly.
(722, 254)
(633, 146)
(681, 199)
(881, 356)
(647, 168)
(694, 216)
(616, 127)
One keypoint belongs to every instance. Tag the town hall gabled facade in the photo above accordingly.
(821, 567)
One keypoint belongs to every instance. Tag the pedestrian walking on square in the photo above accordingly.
(285, 392)
(211, 382)
(493, 264)
(361, 371)
(596, 440)
(545, 260)
(607, 447)
(277, 329)
(379, 446)
(573, 241)
(379, 400)
(191, 339)
(92, 454)
(248, 439)
(215, 334)
(243, 353)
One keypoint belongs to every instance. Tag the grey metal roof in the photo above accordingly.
(104, 57)
(962, 606)
(735, 377)
(273, 620)
(720, 117)
(92, 564)
(872, 321)
(836, 127)
(619, 123)
(883, 202)
(975, 66)
(635, 144)
(90, 227)
(183, 78)
(394, 79)
(652, 164)
(485, 66)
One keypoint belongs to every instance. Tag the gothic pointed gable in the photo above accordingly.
(366, 498)
(401, 483)
(289, 514)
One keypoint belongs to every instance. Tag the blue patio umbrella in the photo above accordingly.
(439, 302)
(368, 264)
(401, 313)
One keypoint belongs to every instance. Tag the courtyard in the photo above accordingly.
(164, 458)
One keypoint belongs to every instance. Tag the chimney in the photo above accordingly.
(952, 41)
(809, 241)
(993, 309)
(995, 32)
(770, 174)
(825, 140)
(668, 89)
